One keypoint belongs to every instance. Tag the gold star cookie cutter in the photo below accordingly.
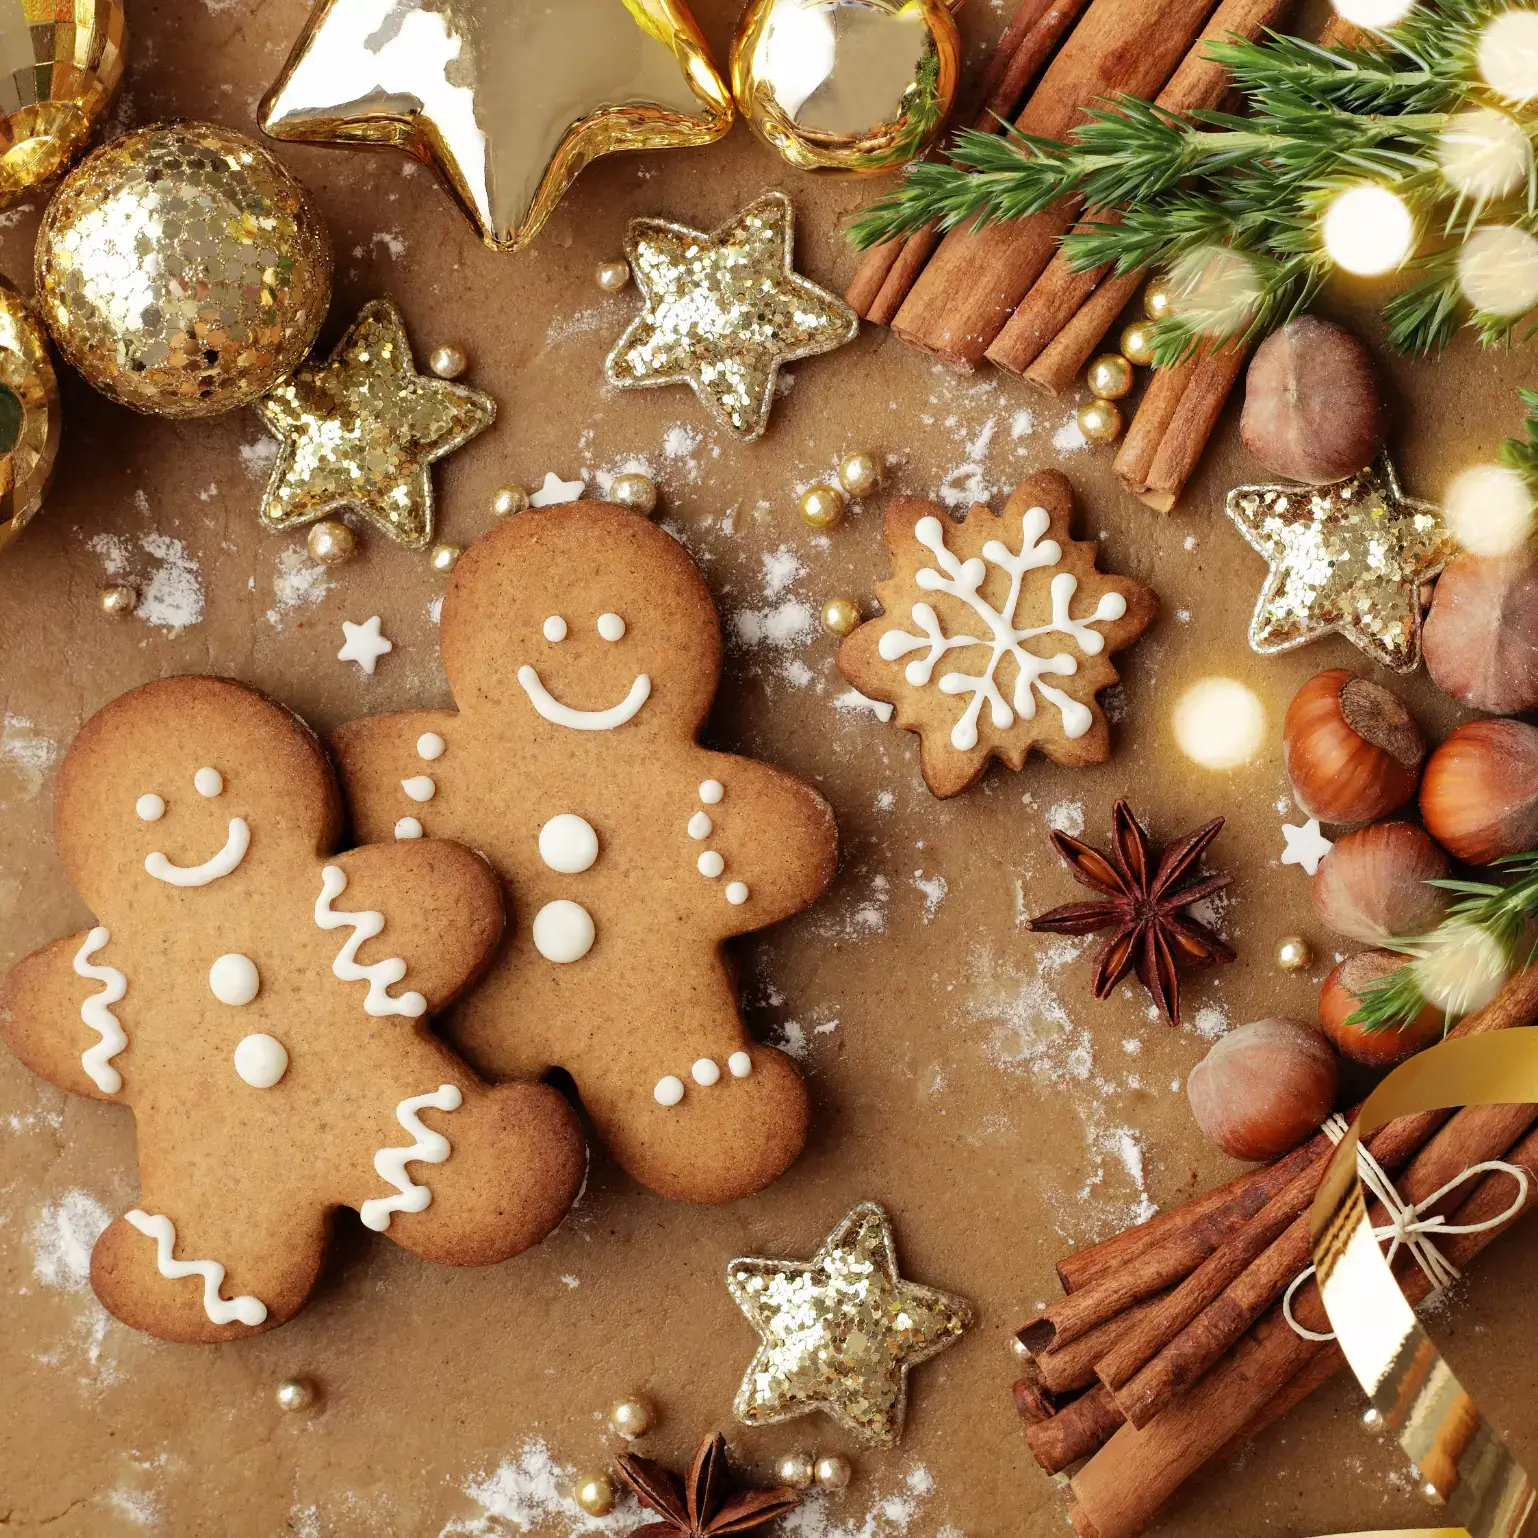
(840, 1332)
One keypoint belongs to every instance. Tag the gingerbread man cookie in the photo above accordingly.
(1030, 621)
(259, 1004)
(583, 649)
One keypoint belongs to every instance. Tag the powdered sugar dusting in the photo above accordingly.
(172, 598)
(529, 1492)
(934, 889)
(27, 752)
(298, 581)
(62, 1237)
(890, 1514)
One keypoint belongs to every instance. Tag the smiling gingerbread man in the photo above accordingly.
(259, 1004)
(583, 650)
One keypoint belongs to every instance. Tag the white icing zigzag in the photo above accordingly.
(96, 1011)
(246, 1309)
(964, 580)
(429, 1148)
(379, 975)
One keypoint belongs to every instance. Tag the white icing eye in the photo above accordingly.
(150, 807)
(611, 627)
(555, 628)
(208, 782)
(430, 746)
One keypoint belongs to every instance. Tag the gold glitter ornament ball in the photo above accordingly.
(859, 473)
(636, 491)
(1109, 376)
(509, 500)
(30, 415)
(632, 1418)
(117, 598)
(595, 1494)
(1099, 420)
(445, 557)
(296, 1394)
(833, 1473)
(840, 616)
(822, 507)
(1292, 954)
(182, 270)
(1137, 343)
(796, 1470)
(331, 542)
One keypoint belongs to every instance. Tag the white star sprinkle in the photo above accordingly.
(1306, 845)
(556, 490)
(364, 644)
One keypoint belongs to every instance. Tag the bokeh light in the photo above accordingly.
(1489, 509)
(1368, 230)
(1507, 54)
(1219, 723)
(1498, 270)
(1484, 154)
(1462, 968)
(1214, 290)
(1373, 14)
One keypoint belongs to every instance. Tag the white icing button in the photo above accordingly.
(555, 628)
(234, 979)
(705, 1072)
(711, 864)
(430, 746)
(563, 931)
(150, 807)
(711, 791)
(408, 827)
(208, 782)
(567, 843)
(700, 826)
(261, 1060)
(420, 787)
(669, 1090)
(611, 627)
(737, 893)
(740, 1064)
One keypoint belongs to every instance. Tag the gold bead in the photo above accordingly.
(632, 1418)
(1020, 1348)
(296, 1394)
(509, 500)
(1137, 343)
(635, 491)
(445, 557)
(833, 1473)
(1372, 1421)
(1109, 376)
(822, 506)
(1100, 421)
(860, 473)
(595, 1494)
(1158, 299)
(448, 362)
(1293, 954)
(117, 598)
(331, 542)
(796, 1470)
(612, 276)
(840, 615)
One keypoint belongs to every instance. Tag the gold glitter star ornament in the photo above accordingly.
(1347, 559)
(361, 429)
(839, 1332)
(723, 311)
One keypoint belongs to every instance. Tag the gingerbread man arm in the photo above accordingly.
(47, 1004)
(373, 755)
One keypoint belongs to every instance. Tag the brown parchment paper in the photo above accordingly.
(962, 1073)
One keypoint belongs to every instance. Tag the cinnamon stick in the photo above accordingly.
(1191, 424)
(1075, 1431)
(1073, 1366)
(1032, 1400)
(1145, 432)
(1059, 362)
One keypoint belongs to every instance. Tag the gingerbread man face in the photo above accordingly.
(260, 1005)
(583, 651)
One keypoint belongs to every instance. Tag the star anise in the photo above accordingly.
(1142, 905)
(703, 1505)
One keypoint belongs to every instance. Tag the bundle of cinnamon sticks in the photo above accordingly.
(1170, 1347)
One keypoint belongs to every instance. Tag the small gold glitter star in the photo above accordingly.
(724, 311)
(362, 428)
(840, 1332)
(1346, 559)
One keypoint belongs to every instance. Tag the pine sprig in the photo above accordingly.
(1521, 454)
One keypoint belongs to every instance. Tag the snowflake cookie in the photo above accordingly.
(996, 634)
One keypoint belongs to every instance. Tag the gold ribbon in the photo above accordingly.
(1460, 1458)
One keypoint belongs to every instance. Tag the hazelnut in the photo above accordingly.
(1353, 751)
(1341, 997)
(1371, 886)
(1479, 798)
(1313, 409)
(1481, 637)
(1263, 1088)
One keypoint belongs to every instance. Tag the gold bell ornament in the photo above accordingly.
(846, 85)
(29, 413)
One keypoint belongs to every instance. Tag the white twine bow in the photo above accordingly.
(1408, 1228)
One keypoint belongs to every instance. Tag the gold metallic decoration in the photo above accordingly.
(1109, 376)
(448, 362)
(1348, 559)
(595, 1494)
(797, 1470)
(182, 270)
(1292, 954)
(331, 542)
(833, 1473)
(1137, 343)
(839, 1332)
(846, 85)
(507, 99)
(724, 311)
(636, 491)
(361, 430)
(30, 415)
(1458, 1456)
(508, 500)
(1099, 420)
(445, 557)
(822, 507)
(296, 1394)
(859, 473)
(117, 599)
(841, 616)
(612, 277)
(632, 1418)
(63, 62)
(1159, 299)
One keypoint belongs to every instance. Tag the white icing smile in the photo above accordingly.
(221, 864)
(584, 720)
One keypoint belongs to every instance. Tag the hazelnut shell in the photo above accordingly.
(1479, 798)
(1340, 997)
(1480, 639)
(1371, 886)
(1263, 1088)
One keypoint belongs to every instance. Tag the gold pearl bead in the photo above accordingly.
(860, 473)
(632, 1418)
(612, 276)
(1019, 1348)
(117, 598)
(1373, 1422)
(448, 362)
(840, 615)
(1158, 299)
(509, 500)
(445, 557)
(833, 1473)
(822, 506)
(1137, 343)
(1100, 421)
(296, 1394)
(1109, 376)
(796, 1470)
(594, 1493)
(331, 542)
(1293, 954)
(635, 491)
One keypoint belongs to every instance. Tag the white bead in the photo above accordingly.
(208, 782)
(700, 826)
(711, 791)
(420, 787)
(430, 746)
(408, 827)
(705, 1072)
(711, 864)
(234, 979)
(737, 893)
(150, 807)
(563, 931)
(555, 628)
(669, 1090)
(740, 1065)
(568, 843)
(261, 1060)
(611, 627)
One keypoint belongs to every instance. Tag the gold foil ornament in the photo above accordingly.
(846, 85)
(30, 415)
(361, 429)
(507, 99)
(1347, 559)
(182, 270)
(839, 1332)
(723, 311)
